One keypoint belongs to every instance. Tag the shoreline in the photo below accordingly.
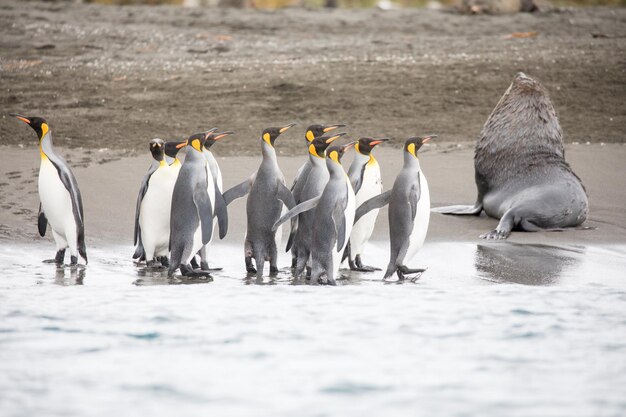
(109, 184)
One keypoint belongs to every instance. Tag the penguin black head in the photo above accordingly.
(271, 133)
(157, 148)
(318, 146)
(336, 152)
(197, 141)
(315, 131)
(413, 143)
(365, 145)
(214, 137)
(171, 148)
(38, 124)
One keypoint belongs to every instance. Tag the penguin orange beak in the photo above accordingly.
(22, 118)
(331, 127)
(285, 128)
(378, 141)
(428, 138)
(220, 135)
(334, 138)
(208, 132)
(182, 144)
(347, 146)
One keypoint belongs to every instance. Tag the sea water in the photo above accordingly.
(490, 329)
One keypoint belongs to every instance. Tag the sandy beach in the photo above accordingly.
(115, 77)
(110, 187)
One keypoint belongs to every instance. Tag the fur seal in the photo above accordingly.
(521, 173)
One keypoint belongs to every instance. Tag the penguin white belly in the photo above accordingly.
(420, 224)
(278, 237)
(57, 206)
(215, 169)
(211, 190)
(196, 245)
(154, 215)
(371, 186)
(348, 213)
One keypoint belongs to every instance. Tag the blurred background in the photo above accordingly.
(272, 4)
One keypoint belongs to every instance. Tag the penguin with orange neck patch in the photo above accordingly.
(299, 186)
(366, 180)
(409, 211)
(61, 204)
(160, 151)
(191, 219)
(267, 196)
(334, 213)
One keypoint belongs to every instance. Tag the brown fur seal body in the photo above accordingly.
(521, 173)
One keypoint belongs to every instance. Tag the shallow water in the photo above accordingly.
(489, 329)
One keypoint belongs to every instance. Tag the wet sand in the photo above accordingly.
(110, 189)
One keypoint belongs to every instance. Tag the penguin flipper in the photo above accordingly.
(284, 195)
(375, 202)
(239, 190)
(221, 213)
(460, 209)
(143, 189)
(205, 215)
(300, 208)
(71, 185)
(42, 222)
(414, 196)
(339, 218)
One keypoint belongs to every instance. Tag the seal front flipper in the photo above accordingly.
(373, 203)
(300, 208)
(239, 190)
(203, 205)
(221, 213)
(507, 223)
(42, 222)
(460, 209)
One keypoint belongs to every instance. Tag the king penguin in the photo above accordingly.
(191, 219)
(365, 177)
(299, 181)
(60, 202)
(409, 210)
(152, 218)
(268, 194)
(170, 155)
(334, 216)
(215, 189)
(314, 185)
(171, 150)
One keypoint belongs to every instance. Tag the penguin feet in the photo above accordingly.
(324, 279)
(154, 265)
(58, 258)
(363, 268)
(194, 263)
(498, 234)
(204, 266)
(163, 260)
(403, 270)
(249, 266)
(188, 271)
(273, 270)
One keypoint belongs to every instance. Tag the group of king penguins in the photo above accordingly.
(332, 213)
